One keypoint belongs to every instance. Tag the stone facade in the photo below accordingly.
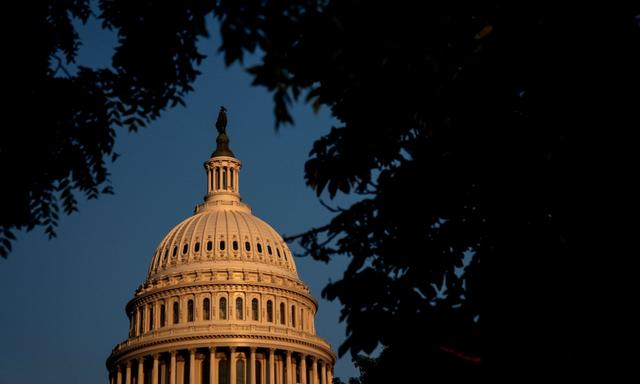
(222, 302)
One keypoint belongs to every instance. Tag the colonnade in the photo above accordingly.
(224, 365)
(222, 177)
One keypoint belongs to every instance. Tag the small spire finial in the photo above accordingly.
(222, 141)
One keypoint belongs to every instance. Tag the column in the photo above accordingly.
(323, 372)
(164, 372)
(232, 366)
(252, 364)
(237, 180)
(272, 367)
(329, 375)
(154, 372)
(153, 325)
(209, 179)
(303, 369)
(127, 377)
(192, 366)
(213, 366)
(140, 371)
(314, 370)
(136, 327)
(289, 379)
(172, 370)
(119, 375)
(296, 367)
(145, 318)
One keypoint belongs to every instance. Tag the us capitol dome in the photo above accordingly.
(222, 302)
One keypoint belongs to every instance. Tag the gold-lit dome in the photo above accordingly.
(222, 237)
(222, 302)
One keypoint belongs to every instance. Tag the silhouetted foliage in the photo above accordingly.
(455, 127)
(67, 120)
(396, 364)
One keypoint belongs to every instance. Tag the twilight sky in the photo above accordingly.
(63, 304)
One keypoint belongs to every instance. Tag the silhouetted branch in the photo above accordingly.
(461, 355)
(312, 231)
(60, 67)
(330, 208)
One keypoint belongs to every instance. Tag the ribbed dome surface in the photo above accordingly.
(220, 238)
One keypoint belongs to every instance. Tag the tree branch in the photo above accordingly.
(309, 232)
(60, 67)
(330, 208)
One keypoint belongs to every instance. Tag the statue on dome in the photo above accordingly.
(221, 123)
(222, 141)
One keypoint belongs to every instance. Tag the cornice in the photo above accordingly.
(150, 345)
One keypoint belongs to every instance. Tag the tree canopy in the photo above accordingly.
(452, 127)
(68, 121)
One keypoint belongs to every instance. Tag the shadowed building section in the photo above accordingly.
(222, 302)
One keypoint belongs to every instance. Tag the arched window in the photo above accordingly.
(270, 311)
(247, 246)
(239, 309)
(162, 315)
(141, 323)
(209, 245)
(254, 309)
(206, 309)
(259, 246)
(224, 178)
(278, 251)
(293, 315)
(190, 310)
(223, 308)
(235, 245)
(282, 313)
(185, 249)
(239, 372)
(217, 178)
(176, 312)
(196, 248)
(269, 250)
(151, 317)
(166, 253)
(175, 250)
(132, 324)
(222, 245)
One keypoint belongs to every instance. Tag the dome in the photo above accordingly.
(219, 238)
(222, 302)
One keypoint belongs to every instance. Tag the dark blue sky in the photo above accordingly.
(63, 305)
